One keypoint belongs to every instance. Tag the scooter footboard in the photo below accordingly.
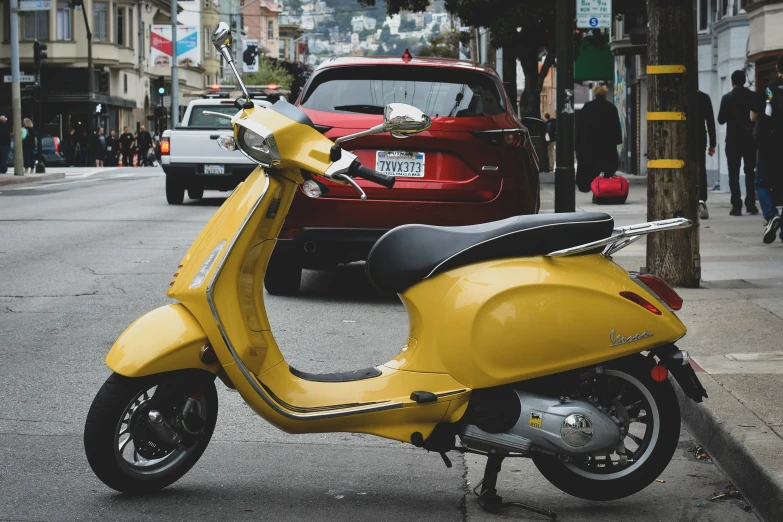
(165, 339)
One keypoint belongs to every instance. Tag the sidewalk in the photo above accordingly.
(10, 179)
(735, 336)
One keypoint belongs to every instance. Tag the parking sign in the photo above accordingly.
(593, 14)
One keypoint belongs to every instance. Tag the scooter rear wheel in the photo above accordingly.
(653, 435)
(122, 447)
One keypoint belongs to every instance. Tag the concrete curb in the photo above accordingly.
(6, 179)
(747, 450)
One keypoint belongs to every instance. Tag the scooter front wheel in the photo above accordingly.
(650, 416)
(144, 433)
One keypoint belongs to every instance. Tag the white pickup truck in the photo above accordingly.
(190, 155)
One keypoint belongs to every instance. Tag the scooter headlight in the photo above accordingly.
(262, 149)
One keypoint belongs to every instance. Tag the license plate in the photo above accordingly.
(214, 169)
(400, 164)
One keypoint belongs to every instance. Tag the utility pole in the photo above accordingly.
(90, 74)
(174, 70)
(672, 138)
(16, 94)
(564, 173)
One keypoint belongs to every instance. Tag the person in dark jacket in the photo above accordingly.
(144, 142)
(99, 146)
(110, 160)
(706, 129)
(551, 138)
(598, 134)
(768, 133)
(734, 111)
(84, 149)
(126, 147)
(28, 146)
(5, 144)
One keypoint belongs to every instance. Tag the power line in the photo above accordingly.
(303, 15)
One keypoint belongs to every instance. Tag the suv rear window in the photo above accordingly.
(198, 119)
(436, 91)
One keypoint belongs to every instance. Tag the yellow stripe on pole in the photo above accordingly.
(665, 164)
(665, 69)
(666, 116)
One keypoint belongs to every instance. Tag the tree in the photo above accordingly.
(524, 29)
(443, 45)
(269, 72)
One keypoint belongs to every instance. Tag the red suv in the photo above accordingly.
(475, 163)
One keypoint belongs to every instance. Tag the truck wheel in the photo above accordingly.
(175, 192)
(196, 192)
(283, 276)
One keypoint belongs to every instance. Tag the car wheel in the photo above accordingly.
(283, 276)
(175, 192)
(196, 192)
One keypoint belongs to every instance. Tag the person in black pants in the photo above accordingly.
(706, 127)
(144, 142)
(126, 147)
(734, 111)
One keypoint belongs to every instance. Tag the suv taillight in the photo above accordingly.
(56, 144)
(165, 146)
(659, 287)
(507, 138)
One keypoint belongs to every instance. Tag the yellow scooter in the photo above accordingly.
(525, 338)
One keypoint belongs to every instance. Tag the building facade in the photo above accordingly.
(262, 23)
(126, 78)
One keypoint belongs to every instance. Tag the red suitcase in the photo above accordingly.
(609, 191)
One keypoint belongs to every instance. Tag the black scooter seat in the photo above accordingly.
(407, 254)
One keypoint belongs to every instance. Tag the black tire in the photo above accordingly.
(111, 410)
(196, 192)
(589, 485)
(175, 191)
(283, 276)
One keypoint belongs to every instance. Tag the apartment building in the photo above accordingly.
(261, 18)
(125, 74)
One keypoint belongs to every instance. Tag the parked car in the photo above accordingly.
(52, 157)
(475, 164)
(191, 158)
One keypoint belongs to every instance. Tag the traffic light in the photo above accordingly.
(76, 3)
(103, 83)
(161, 83)
(39, 54)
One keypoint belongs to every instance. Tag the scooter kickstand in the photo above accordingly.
(490, 501)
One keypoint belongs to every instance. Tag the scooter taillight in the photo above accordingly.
(659, 287)
(641, 301)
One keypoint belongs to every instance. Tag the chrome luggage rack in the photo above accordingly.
(624, 236)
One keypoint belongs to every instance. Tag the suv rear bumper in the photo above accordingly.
(316, 247)
(193, 174)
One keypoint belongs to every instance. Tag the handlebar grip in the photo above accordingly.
(360, 171)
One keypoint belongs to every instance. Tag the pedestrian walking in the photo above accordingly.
(551, 138)
(597, 135)
(5, 144)
(768, 115)
(110, 160)
(735, 108)
(84, 149)
(126, 147)
(706, 118)
(144, 142)
(99, 147)
(28, 145)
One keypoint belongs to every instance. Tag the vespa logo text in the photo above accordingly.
(619, 339)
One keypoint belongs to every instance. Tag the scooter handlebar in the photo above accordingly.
(357, 170)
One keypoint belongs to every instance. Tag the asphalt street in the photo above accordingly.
(83, 257)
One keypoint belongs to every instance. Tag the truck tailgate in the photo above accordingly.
(200, 146)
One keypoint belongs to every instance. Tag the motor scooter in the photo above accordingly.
(526, 339)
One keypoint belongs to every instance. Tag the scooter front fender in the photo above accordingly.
(165, 339)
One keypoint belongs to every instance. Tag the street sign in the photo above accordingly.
(35, 5)
(167, 101)
(23, 78)
(594, 14)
